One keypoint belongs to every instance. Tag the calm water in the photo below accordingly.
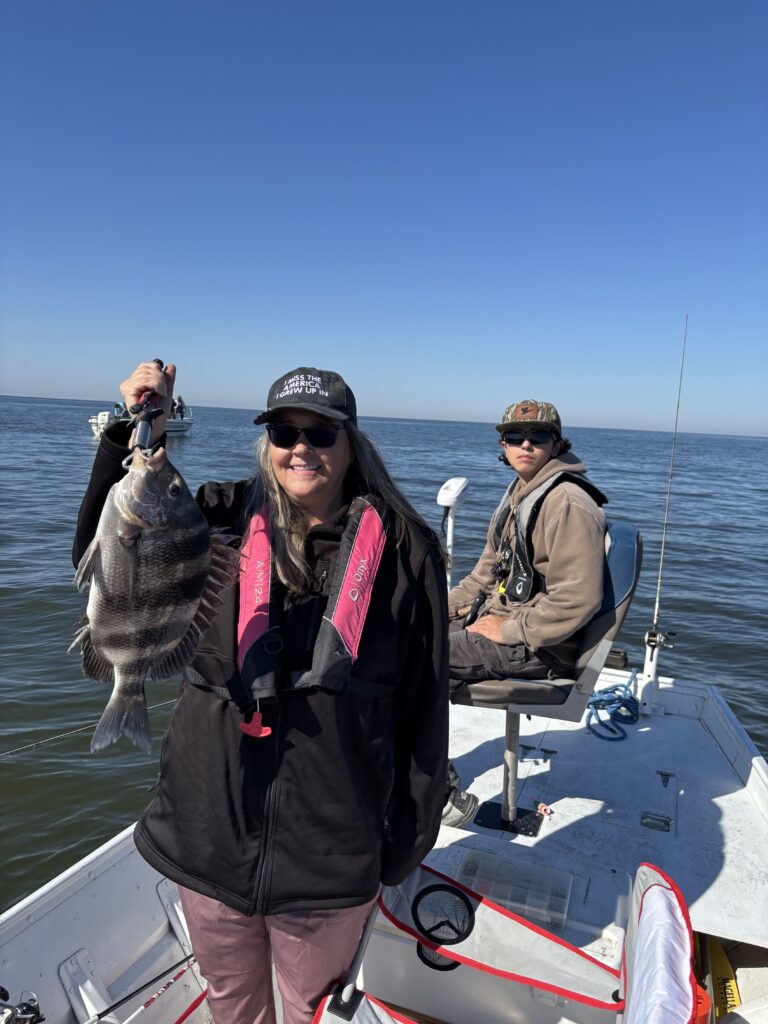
(59, 801)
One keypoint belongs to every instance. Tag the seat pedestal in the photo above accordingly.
(507, 816)
(526, 823)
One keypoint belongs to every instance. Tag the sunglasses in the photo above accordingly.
(515, 438)
(284, 435)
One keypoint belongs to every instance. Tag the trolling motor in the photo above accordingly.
(26, 1011)
(144, 413)
(449, 497)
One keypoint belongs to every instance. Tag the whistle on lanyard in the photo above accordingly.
(502, 569)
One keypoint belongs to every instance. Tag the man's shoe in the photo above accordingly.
(460, 808)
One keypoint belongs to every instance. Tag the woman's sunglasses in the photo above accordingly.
(515, 438)
(284, 435)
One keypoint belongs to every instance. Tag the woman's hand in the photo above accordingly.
(149, 381)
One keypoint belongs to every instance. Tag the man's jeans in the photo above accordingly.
(473, 657)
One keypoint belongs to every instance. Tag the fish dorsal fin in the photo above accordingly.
(223, 570)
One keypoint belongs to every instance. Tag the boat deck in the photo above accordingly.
(689, 768)
(686, 790)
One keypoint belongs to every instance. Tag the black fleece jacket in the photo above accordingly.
(346, 791)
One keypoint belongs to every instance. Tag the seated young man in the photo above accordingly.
(539, 580)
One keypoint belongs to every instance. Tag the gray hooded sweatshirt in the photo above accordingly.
(568, 552)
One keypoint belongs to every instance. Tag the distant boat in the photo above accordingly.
(105, 418)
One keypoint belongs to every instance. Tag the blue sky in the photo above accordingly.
(456, 205)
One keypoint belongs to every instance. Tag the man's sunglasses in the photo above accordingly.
(516, 437)
(284, 435)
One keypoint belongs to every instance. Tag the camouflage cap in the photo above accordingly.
(530, 413)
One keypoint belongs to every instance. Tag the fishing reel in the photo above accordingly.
(26, 1011)
(655, 638)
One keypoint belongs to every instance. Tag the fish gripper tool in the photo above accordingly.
(144, 413)
(143, 428)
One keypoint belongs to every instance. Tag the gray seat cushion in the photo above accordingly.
(501, 692)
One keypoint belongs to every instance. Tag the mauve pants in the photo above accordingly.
(310, 950)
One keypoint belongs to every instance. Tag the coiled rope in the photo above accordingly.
(620, 706)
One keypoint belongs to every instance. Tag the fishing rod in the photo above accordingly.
(187, 962)
(88, 727)
(654, 638)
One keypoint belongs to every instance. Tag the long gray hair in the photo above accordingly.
(288, 522)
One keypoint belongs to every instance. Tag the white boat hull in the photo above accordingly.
(92, 935)
(102, 420)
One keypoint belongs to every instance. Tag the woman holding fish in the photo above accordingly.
(305, 760)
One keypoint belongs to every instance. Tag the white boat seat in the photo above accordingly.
(563, 699)
(454, 926)
(658, 984)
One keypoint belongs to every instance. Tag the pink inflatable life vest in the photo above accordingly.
(259, 642)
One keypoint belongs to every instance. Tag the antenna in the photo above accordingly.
(653, 638)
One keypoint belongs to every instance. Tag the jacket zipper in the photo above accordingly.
(156, 783)
(316, 614)
(271, 801)
(385, 816)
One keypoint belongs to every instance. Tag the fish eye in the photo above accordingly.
(175, 489)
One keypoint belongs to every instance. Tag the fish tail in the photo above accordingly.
(125, 715)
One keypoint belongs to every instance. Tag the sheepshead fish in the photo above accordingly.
(156, 574)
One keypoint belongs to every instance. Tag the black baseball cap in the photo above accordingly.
(320, 391)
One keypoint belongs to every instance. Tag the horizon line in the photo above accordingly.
(418, 419)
